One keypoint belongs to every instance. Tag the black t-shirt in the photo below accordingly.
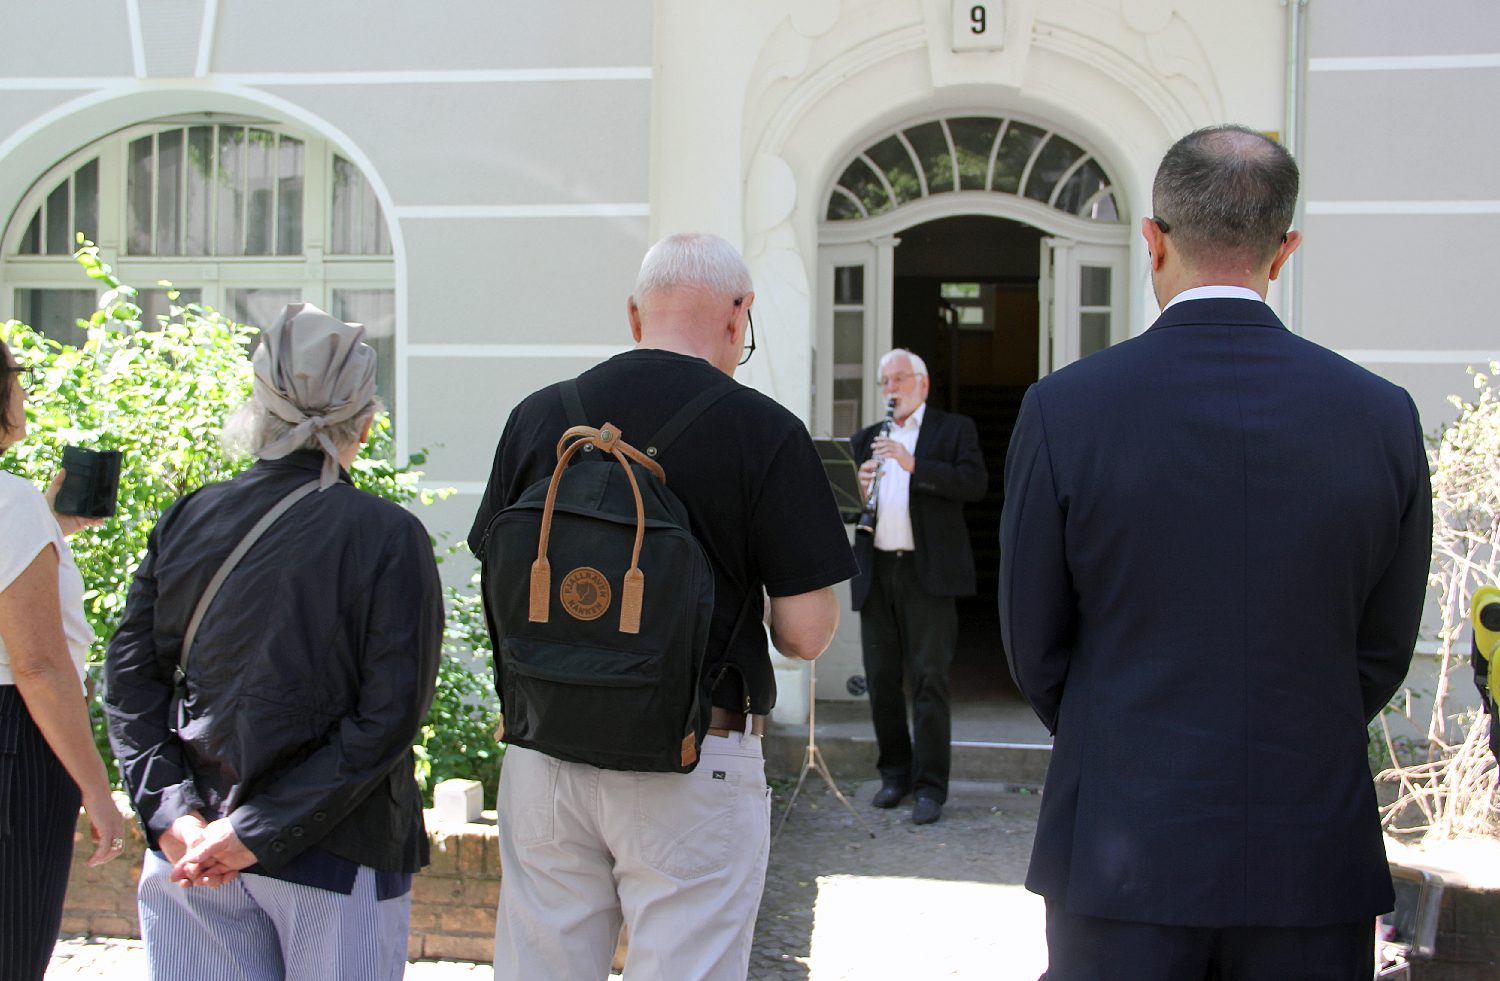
(747, 472)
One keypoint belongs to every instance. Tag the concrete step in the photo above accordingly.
(852, 757)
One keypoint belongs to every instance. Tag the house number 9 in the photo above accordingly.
(978, 26)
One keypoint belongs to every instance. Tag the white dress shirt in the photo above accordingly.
(893, 520)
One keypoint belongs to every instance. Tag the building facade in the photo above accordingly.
(477, 182)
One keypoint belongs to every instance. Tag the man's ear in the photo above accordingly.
(1284, 252)
(634, 313)
(364, 431)
(1156, 243)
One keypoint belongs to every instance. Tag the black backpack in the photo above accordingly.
(599, 601)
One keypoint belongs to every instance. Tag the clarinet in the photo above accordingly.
(866, 523)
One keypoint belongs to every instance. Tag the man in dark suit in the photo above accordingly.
(1214, 548)
(914, 563)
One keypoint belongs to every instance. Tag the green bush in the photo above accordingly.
(159, 393)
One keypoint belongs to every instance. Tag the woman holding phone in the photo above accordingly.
(48, 762)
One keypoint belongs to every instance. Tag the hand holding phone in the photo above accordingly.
(90, 484)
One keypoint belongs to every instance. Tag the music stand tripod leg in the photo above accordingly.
(812, 759)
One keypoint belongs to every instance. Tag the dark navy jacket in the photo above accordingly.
(1214, 553)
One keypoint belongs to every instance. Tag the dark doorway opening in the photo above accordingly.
(966, 300)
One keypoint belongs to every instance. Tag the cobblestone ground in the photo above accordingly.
(939, 901)
(933, 902)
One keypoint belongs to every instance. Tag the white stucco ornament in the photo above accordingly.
(1147, 16)
(770, 193)
(811, 18)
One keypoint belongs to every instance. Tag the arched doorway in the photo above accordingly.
(994, 248)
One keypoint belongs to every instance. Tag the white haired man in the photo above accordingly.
(911, 568)
(679, 858)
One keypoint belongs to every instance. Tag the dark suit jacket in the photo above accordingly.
(1214, 549)
(949, 471)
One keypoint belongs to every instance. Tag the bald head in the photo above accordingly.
(1227, 194)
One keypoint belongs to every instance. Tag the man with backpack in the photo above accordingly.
(598, 827)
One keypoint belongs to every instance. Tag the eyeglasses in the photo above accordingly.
(899, 378)
(749, 347)
(25, 377)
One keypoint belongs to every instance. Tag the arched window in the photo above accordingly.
(972, 153)
(239, 214)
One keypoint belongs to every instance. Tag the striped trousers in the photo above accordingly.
(38, 813)
(256, 928)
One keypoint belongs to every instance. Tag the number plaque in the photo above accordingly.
(978, 26)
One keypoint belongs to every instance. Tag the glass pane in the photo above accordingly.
(345, 206)
(155, 304)
(848, 285)
(1093, 286)
(59, 234)
(169, 192)
(56, 312)
(376, 309)
(861, 181)
(840, 208)
(932, 150)
(1015, 150)
(1054, 160)
(86, 200)
(289, 197)
(959, 291)
(138, 181)
(1104, 209)
(848, 337)
(892, 158)
(198, 174)
(1093, 333)
(260, 173)
(375, 240)
(848, 405)
(258, 308)
(229, 220)
(973, 138)
(31, 241)
(1086, 181)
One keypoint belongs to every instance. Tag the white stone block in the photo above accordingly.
(458, 801)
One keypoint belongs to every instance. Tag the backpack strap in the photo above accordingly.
(670, 430)
(573, 403)
(687, 415)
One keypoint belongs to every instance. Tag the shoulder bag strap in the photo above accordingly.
(251, 537)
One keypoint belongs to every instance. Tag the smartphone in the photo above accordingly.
(92, 482)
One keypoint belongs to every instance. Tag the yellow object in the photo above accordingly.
(1487, 640)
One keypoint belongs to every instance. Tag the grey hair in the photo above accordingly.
(1227, 191)
(253, 426)
(694, 260)
(918, 366)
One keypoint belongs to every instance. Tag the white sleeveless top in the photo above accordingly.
(26, 527)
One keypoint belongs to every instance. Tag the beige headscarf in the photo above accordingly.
(313, 371)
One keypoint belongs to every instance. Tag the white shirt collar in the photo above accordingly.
(1215, 293)
(914, 421)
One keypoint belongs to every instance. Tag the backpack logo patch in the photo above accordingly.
(585, 593)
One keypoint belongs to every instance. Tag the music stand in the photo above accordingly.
(843, 476)
(812, 759)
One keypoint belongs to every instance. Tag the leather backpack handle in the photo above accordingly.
(632, 593)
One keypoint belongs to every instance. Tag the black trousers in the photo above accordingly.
(908, 637)
(38, 812)
(1087, 948)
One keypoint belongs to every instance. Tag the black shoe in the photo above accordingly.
(926, 811)
(888, 796)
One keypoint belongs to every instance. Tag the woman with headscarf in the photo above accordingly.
(48, 761)
(279, 766)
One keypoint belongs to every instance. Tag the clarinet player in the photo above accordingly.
(918, 468)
